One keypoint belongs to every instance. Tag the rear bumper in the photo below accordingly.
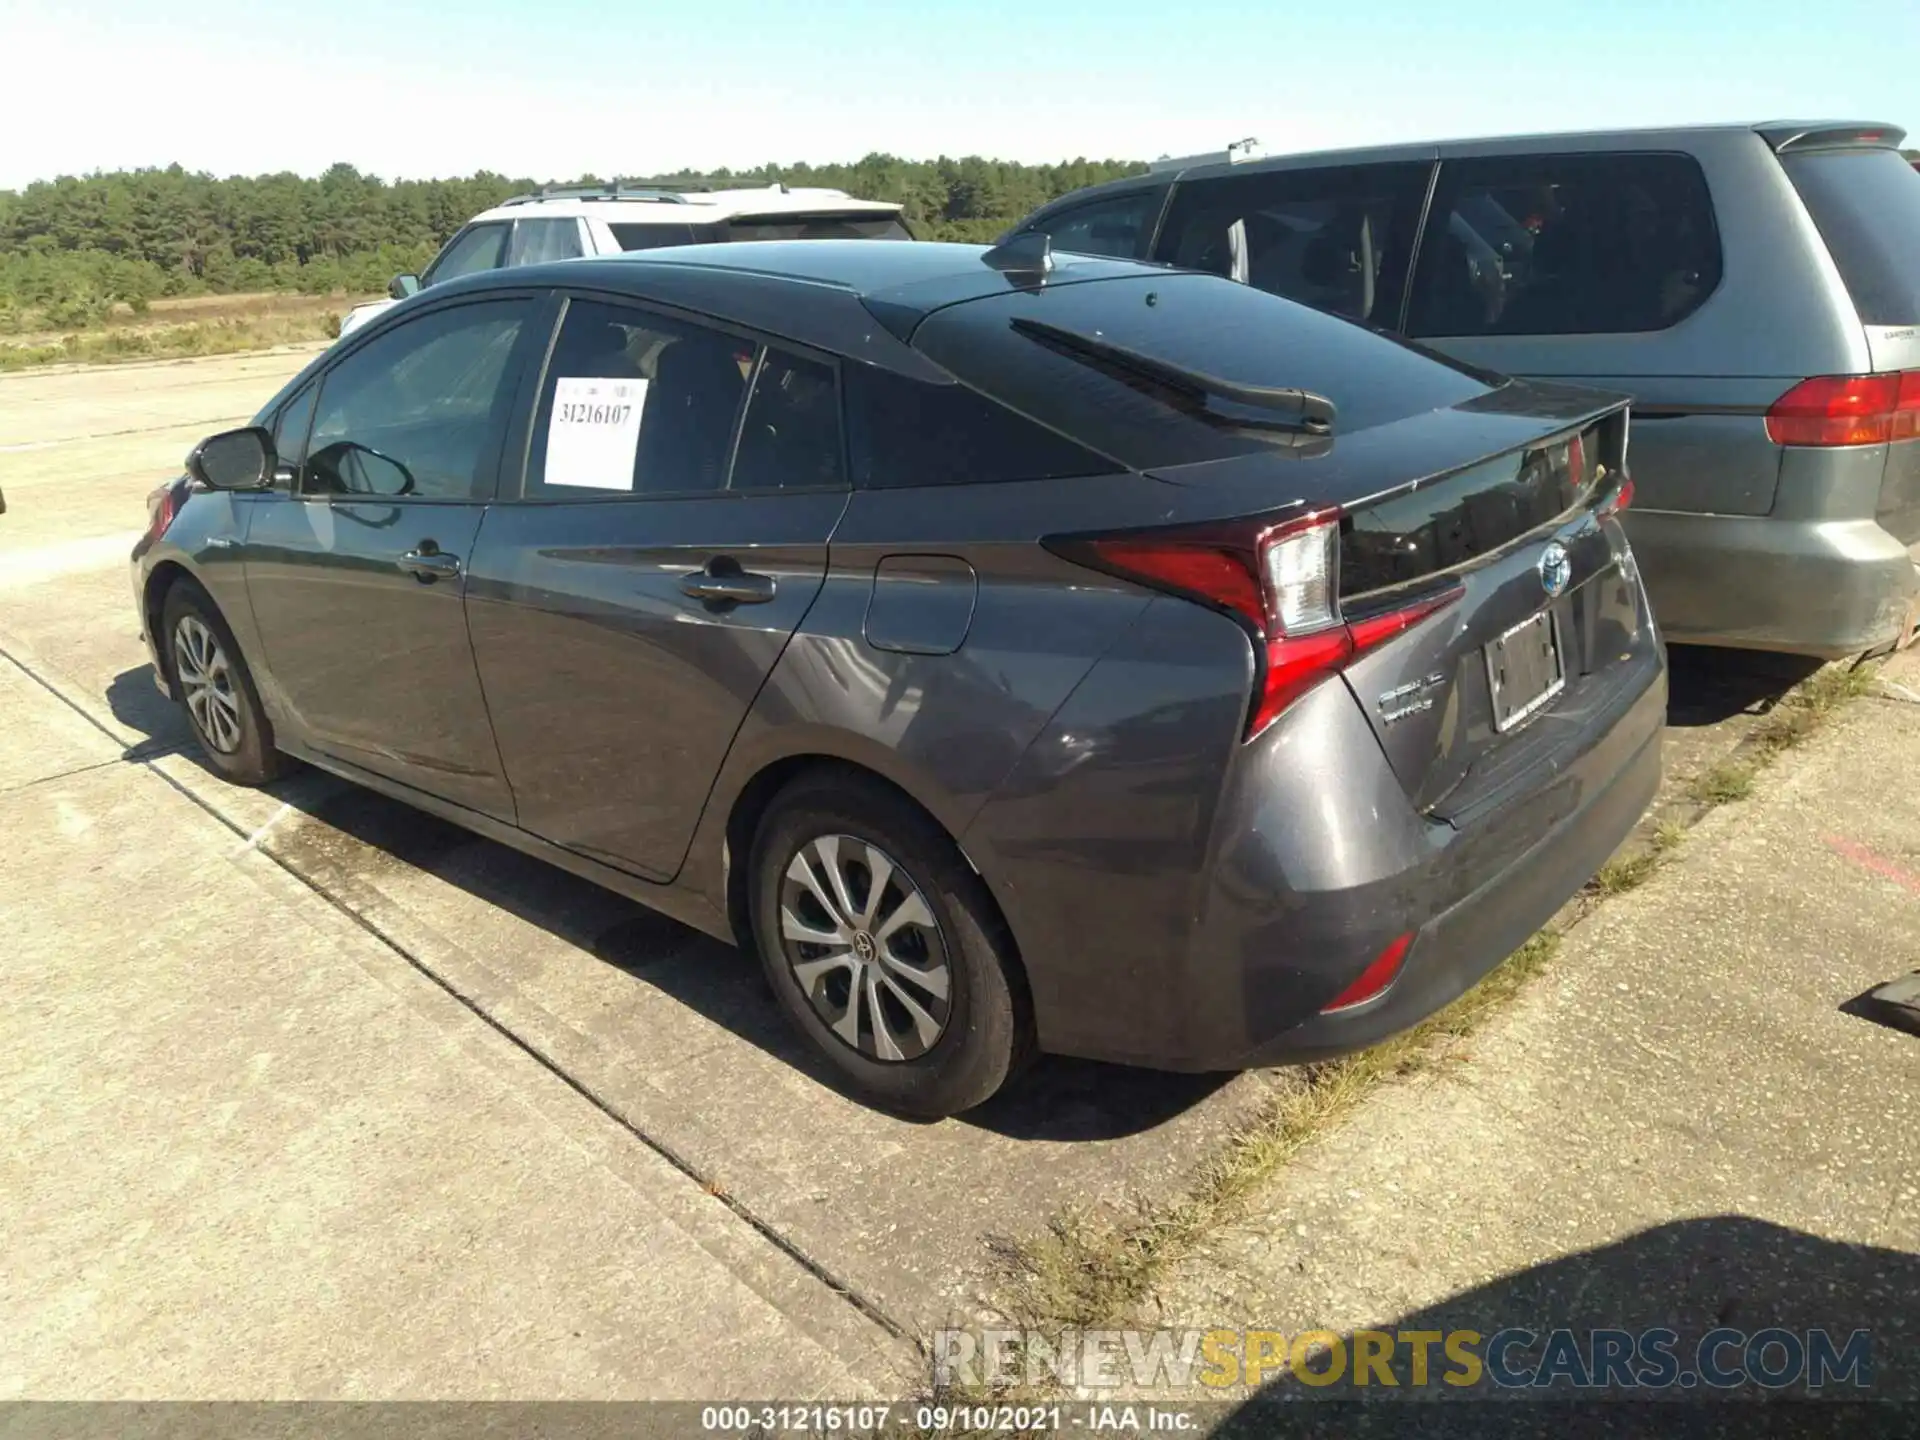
(1460, 946)
(1830, 588)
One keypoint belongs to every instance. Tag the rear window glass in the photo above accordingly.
(651, 237)
(818, 227)
(1866, 204)
(1116, 225)
(908, 432)
(1456, 518)
(1199, 323)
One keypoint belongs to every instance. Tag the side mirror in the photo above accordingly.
(234, 460)
(401, 286)
(347, 468)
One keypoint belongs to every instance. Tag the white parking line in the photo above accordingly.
(20, 568)
(253, 840)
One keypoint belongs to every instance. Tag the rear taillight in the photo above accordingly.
(162, 505)
(1847, 410)
(1281, 581)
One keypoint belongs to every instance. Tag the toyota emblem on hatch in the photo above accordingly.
(1556, 568)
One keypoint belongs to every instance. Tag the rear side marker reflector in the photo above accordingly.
(1378, 975)
(1619, 500)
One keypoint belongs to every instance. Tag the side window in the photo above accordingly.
(537, 241)
(651, 237)
(474, 249)
(1565, 245)
(1115, 226)
(419, 410)
(1336, 238)
(905, 432)
(790, 438)
(636, 403)
(290, 429)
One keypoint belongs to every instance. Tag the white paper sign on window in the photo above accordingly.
(594, 432)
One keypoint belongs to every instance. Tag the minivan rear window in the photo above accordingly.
(1866, 204)
(1195, 322)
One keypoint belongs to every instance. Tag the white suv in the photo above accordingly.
(559, 224)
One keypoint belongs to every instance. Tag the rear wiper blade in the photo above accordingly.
(1277, 407)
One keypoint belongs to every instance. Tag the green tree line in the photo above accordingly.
(73, 249)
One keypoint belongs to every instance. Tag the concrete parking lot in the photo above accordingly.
(490, 1130)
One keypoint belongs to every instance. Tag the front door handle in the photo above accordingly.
(429, 563)
(724, 582)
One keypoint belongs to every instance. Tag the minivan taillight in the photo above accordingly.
(1280, 581)
(1833, 410)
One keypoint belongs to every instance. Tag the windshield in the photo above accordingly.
(1210, 327)
(1866, 204)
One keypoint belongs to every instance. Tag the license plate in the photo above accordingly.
(1524, 670)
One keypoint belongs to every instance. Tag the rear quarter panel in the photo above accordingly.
(946, 727)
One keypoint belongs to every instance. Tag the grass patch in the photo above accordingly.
(1804, 708)
(1728, 781)
(1798, 714)
(1629, 871)
(223, 336)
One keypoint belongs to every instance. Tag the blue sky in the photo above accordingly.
(564, 87)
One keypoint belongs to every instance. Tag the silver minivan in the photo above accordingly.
(1755, 288)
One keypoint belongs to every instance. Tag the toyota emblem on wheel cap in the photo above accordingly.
(1556, 568)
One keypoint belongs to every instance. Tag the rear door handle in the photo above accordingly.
(430, 563)
(724, 582)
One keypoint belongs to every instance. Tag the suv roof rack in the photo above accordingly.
(1247, 149)
(671, 192)
(612, 190)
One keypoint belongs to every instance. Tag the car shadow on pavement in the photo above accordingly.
(360, 833)
(1706, 685)
(1693, 1277)
(136, 702)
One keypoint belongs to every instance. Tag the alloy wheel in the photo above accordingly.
(865, 948)
(206, 683)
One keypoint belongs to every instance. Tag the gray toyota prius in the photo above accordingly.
(1021, 652)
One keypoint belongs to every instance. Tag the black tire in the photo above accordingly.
(235, 735)
(987, 1030)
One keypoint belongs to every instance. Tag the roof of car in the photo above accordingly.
(864, 266)
(825, 293)
(1651, 137)
(668, 205)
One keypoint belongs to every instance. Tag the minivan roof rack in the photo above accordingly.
(1786, 136)
(1247, 149)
